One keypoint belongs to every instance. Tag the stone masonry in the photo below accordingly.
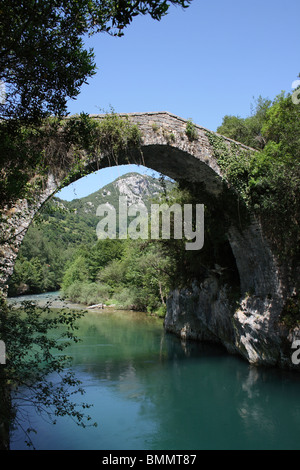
(167, 149)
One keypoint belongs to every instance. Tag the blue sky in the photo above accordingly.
(204, 62)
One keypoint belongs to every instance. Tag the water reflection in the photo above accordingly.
(152, 391)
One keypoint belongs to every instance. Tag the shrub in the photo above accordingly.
(191, 130)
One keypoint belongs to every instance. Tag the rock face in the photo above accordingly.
(137, 188)
(249, 327)
(252, 327)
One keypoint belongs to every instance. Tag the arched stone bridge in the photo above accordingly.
(167, 149)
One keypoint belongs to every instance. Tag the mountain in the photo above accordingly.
(64, 226)
(139, 189)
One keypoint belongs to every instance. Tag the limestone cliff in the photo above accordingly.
(250, 327)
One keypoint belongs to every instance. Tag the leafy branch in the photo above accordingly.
(36, 370)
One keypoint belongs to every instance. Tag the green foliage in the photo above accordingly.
(117, 135)
(46, 41)
(191, 130)
(197, 264)
(247, 130)
(139, 274)
(78, 271)
(49, 244)
(29, 153)
(43, 61)
(281, 128)
(268, 180)
(38, 277)
(161, 312)
(89, 259)
(113, 274)
(290, 315)
(130, 273)
(57, 234)
(36, 366)
(234, 162)
(87, 293)
(155, 126)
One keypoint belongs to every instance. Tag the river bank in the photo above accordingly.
(55, 300)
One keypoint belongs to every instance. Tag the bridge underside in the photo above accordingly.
(183, 159)
(192, 161)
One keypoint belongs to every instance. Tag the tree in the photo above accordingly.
(247, 130)
(43, 61)
(36, 367)
(275, 178)
(282, 127)
(43, 64)
(270, 179)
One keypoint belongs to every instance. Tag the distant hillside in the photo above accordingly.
(139, 189)
(63, 226)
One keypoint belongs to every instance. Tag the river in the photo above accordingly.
(150, 391)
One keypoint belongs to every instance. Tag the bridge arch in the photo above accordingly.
(168, 149)
(253, 329)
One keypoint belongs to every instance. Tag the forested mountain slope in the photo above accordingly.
(63, 226)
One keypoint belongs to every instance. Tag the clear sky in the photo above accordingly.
(204, 62)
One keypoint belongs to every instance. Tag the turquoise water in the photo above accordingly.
(150, 391)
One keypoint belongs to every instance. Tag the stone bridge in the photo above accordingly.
(167, 149)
